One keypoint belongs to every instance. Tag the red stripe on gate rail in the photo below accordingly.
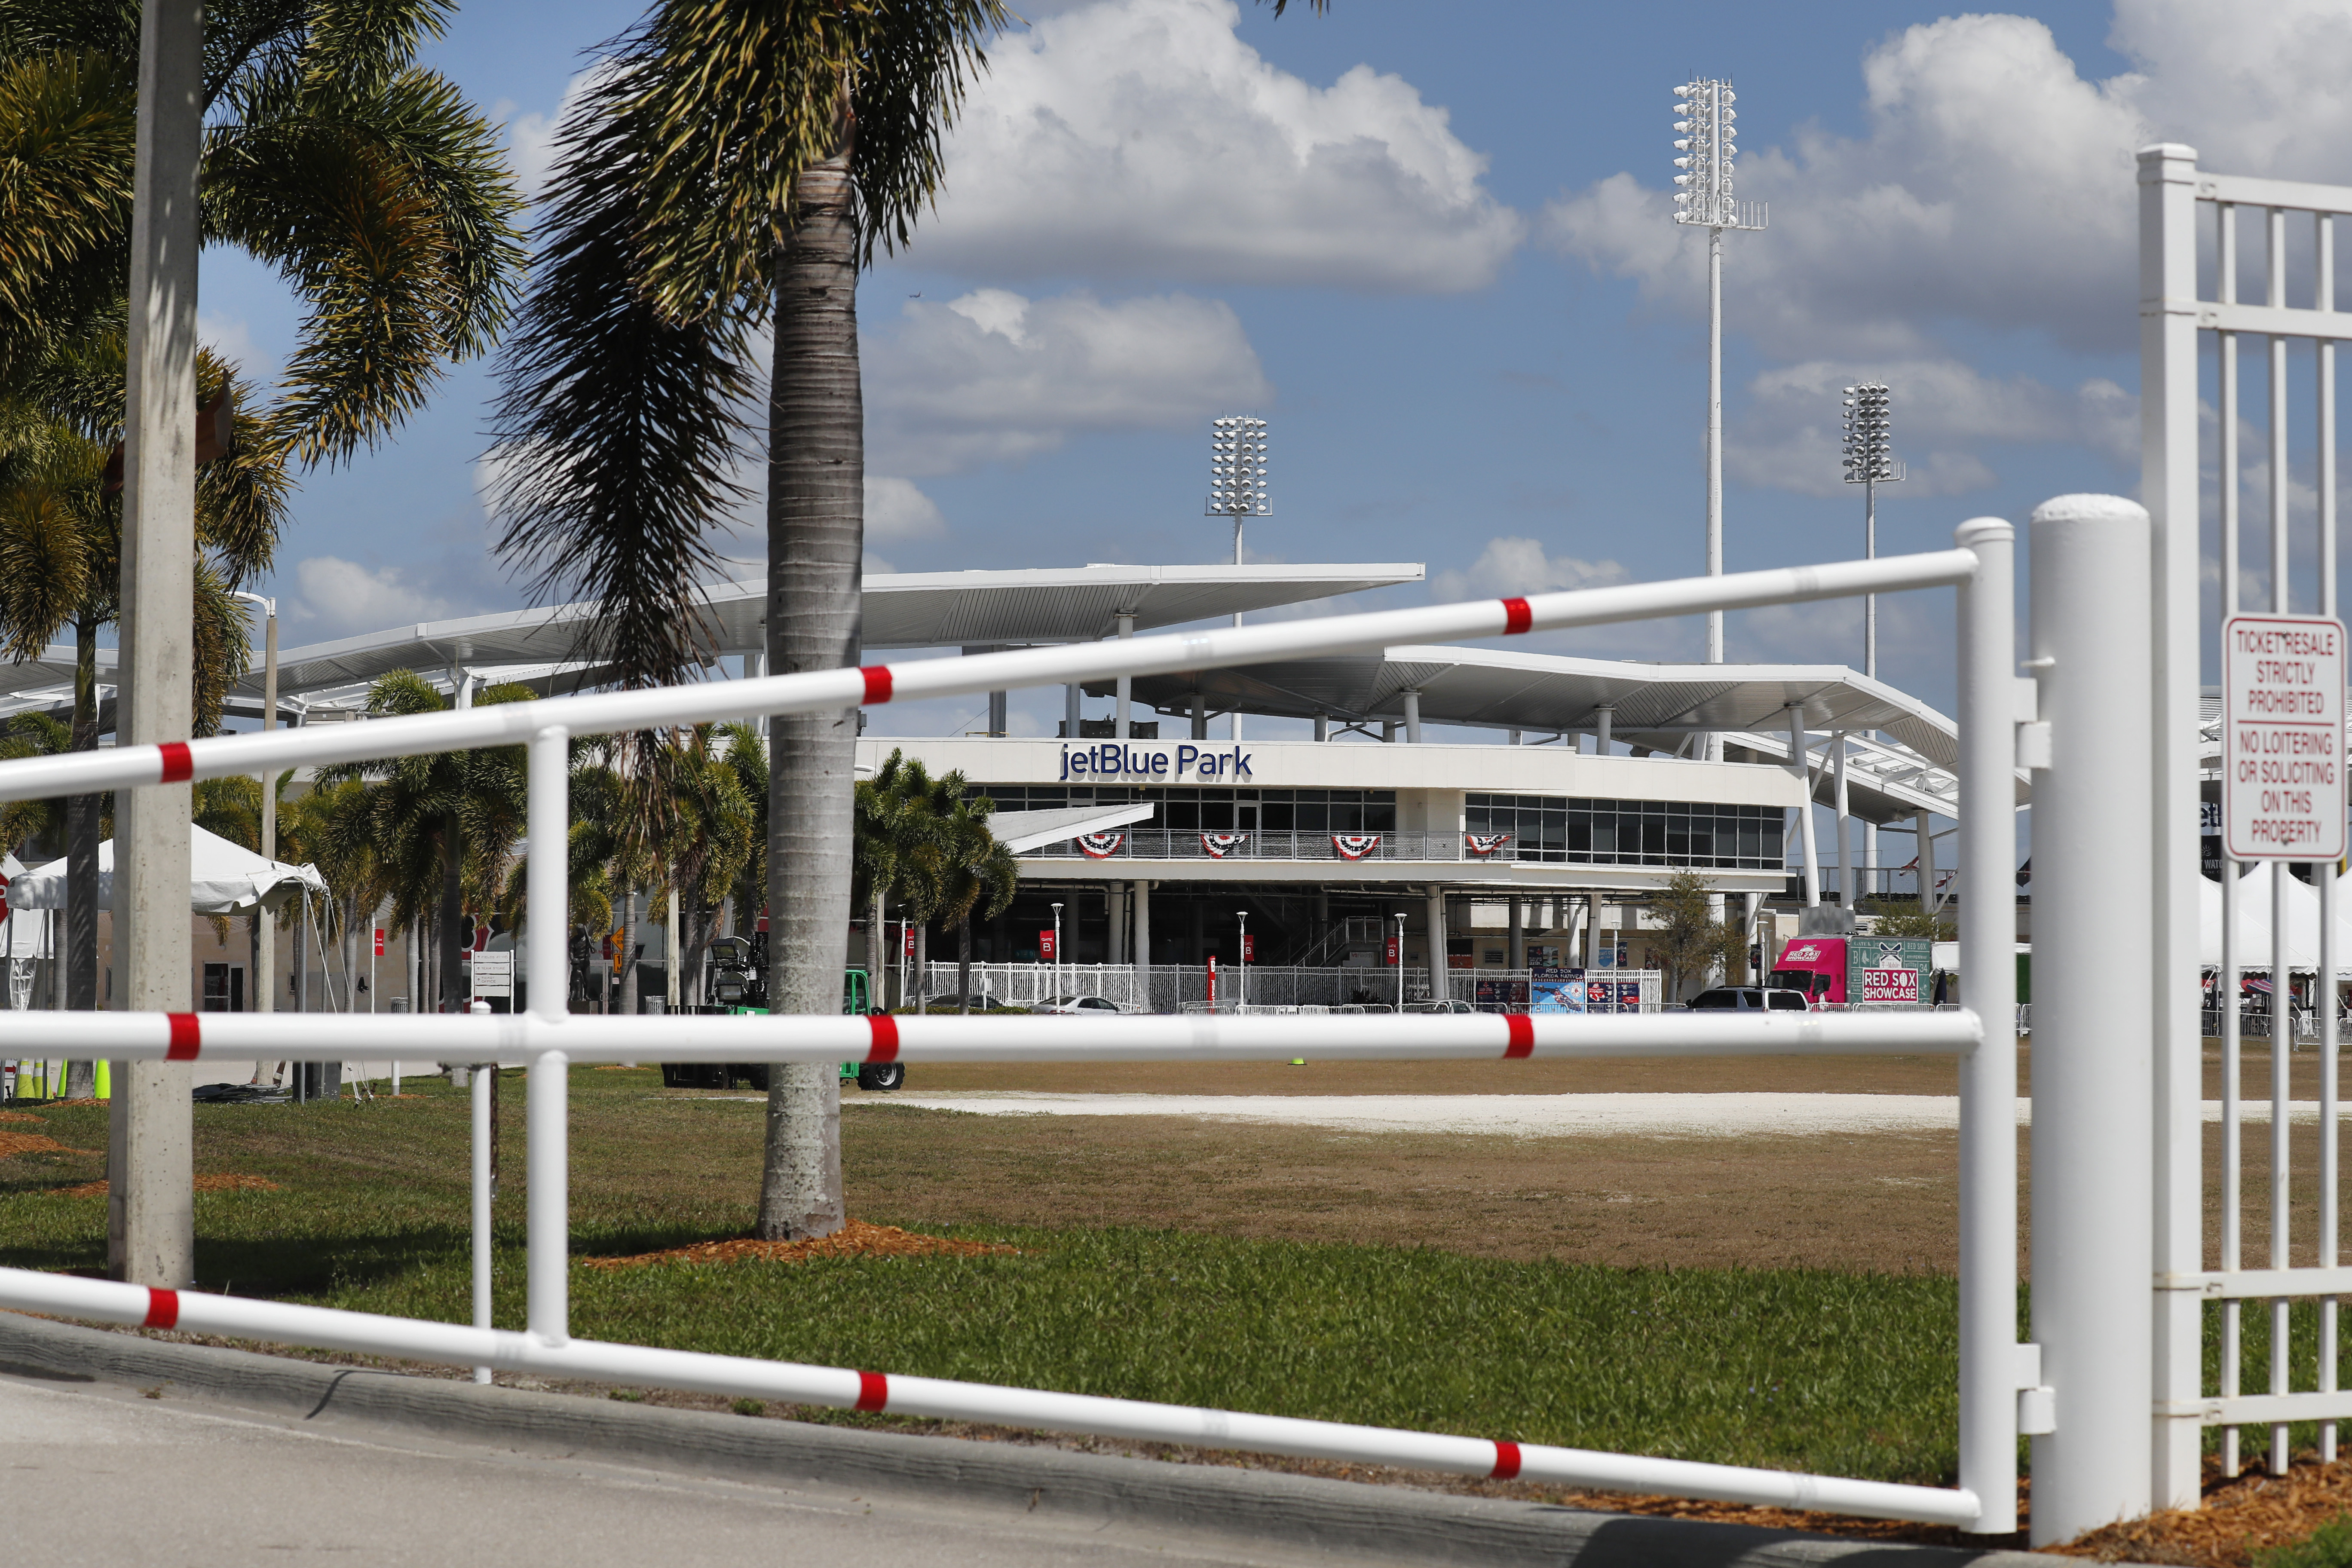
(884, 1047)
(187, 1037)
(1517, 617)
(1522, 1035)
(163, 1310)
(878, 682)
(873, 1391)
(179, 763)
(1506, 1461)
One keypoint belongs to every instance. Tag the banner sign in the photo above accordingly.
(1101, 845)
(1486, 842)
(2282, 737)
(379, 932)
(1355, 846)
(1890, 985)
(1220, 845)
(1249, 949)
(1395, 951)
(1045, 947)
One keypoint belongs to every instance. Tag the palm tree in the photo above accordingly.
(733, 166)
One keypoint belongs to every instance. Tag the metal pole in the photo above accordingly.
(1989, 1373)
(2233, 1237)
(2282, 967)
(2324, 991)
(1441, 984)
(1142, 891)
(1126, 682)
(266, 960)
(1715, 432)
(1869, 553)
(2094, 1104)
(150, 1214)
(1400, 920)
(1412, 718)
(1240, 961)
(481, 1090)
(1844, 830)
(1237, 619)
(547, 1115)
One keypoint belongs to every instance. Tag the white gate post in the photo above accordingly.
(547, 1222)
(2168, 484)
(1990, 1366)
(2094, 1102)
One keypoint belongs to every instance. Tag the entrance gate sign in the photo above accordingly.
(2282, 737)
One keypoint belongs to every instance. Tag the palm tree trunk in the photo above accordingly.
(628, 1003)
(453, 975)
(963, 963)
(81, 856)
(922, 965)
(816, 535)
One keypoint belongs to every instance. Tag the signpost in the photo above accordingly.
(2282, 737)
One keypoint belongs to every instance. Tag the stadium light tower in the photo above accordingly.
(1704, 138)
(1237, 485)
(1870, 463)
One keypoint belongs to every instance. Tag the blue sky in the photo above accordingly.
(1428, 243)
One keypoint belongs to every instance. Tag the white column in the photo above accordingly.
(1988, 1284)
(1070, 710)
(1142, 890)
(1802, 768)
(1412, 718)
(547, 1115)
(1922, 828)
(1608, 714)
(480, 1091)
(1126, 682)
(1517, 955)
(1846, 867)
(150, 1214)
(1322, 726)
(1441, 984)
(2094, 1103)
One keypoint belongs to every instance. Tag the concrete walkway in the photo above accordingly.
(1524, 1115)
(98, 1475)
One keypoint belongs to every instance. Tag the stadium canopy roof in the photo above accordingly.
(914, 609)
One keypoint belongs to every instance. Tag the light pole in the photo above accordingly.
(1237, 469)
(1240, 961)
(1703, 137)
(1400, 920)
(262, 997)
(1870, 463)
(1057, 949)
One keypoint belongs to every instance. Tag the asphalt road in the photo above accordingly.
(90, 1473)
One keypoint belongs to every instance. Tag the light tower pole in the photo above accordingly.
(1704, 138)
(1237, 466)
(1870, 463)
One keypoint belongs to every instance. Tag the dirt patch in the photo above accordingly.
(225, 1182)
(855, 1239)
(20, 1116)
(14, 1144)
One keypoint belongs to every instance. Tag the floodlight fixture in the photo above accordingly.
(1237, 470)
(1870, 462)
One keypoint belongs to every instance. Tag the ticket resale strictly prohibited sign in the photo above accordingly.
(2282, 737)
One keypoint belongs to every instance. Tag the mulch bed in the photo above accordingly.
(225, 1182)
(14, 1144)
(20, 1116)
(2241, 1517)
(855, 1239)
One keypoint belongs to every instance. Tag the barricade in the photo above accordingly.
(1992, 1367)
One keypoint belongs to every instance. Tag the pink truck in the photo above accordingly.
(1835, 970)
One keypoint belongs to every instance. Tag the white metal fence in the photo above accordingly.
(2190, 285)
(1181, 987)
(1993, 1368)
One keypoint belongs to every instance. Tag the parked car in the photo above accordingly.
(1448, 1006)
(1749, 998)
(1077, 1004)
(981, 1003)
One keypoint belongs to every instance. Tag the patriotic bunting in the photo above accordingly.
(1486, 842)
(1220, 845)
(1101, 845)
(1355, 846)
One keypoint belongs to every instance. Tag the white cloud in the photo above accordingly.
(530, 138)
(1790, 436)
(1512, 566)
(896, 508)
(1994, 185)
(995, 377)
(231, 338)
(1143, 139)
(347, 597)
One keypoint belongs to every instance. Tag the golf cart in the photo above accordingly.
(733, 977)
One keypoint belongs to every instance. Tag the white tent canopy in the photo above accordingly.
(2254, 922)
(222, 879)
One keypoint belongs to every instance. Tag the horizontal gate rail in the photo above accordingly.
(841, 1388)
(941, 1038)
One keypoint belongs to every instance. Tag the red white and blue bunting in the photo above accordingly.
(1101, 845)
(1220, 845)
(1486, 842)
(1355, 846)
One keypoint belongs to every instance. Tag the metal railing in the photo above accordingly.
(550, 1039)
(1412, 844)
(1185, 987)
(2178, 199)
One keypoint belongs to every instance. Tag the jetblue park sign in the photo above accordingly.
(1112, 760)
